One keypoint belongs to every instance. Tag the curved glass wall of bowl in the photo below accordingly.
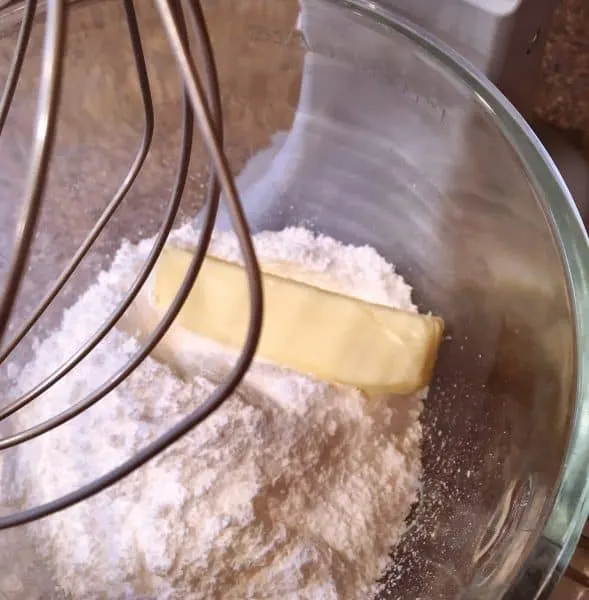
(406, 148)
(397, 144)
(570, 162)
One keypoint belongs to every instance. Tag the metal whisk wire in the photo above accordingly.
(104, 218)
(80, 354)
(17, 61)
(201, 98)
(44, 137)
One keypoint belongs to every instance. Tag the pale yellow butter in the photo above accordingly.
(331, 336)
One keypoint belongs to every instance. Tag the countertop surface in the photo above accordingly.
(563, 103)
(563, 99)
(561, 116)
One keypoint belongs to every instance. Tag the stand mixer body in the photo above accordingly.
(505, 40)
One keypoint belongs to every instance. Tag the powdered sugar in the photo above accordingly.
(294, 488)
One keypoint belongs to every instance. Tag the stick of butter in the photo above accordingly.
(328, 335)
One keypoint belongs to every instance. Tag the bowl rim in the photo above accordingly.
(569, 512)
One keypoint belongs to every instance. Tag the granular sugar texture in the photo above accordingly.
(294, 488)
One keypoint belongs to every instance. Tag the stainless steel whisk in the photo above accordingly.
(201, 103)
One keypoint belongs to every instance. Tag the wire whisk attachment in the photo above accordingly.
(202, 106)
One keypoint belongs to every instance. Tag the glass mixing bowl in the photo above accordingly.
(342, 117)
